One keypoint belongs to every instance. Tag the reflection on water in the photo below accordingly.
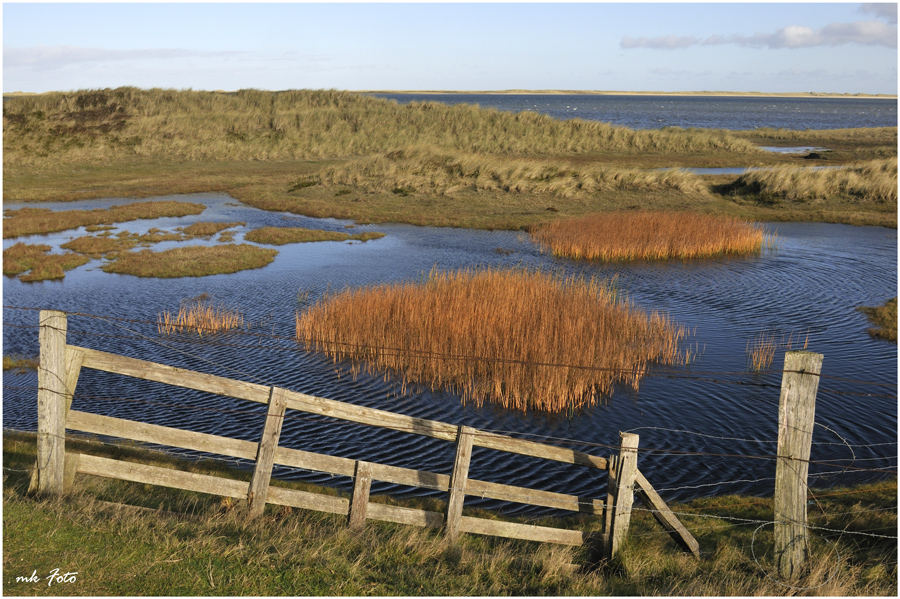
(812, 283)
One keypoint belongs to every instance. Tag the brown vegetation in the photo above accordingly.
(36, 263)
(200, 316)
(206, 229)
(285, 235)
(191, 261)
(36, 221)
(649, 236)
(884, 318)
(761, 349)
(524, 340)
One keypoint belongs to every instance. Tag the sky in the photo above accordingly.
(672, 46)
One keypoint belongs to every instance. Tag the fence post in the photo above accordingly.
(359, 503)
(622, 475)
(51, 404)
(796, 415)
(458, 481)
(265, 455)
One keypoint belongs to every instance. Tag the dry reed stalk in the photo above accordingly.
(642, 235)
(761, 349)
(520, 339)
(199, 317)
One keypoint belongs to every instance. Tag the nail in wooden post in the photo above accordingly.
(796, 416)
(51, 408)
(360, 501)
(265, 455)
(626, 473)
(458, 480)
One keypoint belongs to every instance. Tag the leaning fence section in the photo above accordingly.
(60, 367)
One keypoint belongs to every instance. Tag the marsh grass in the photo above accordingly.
(19, 364)
(36, 263)
(521, 339)
(870, 182)
(432, 170)
(191, 261)
(640, 235)
(200, 316)
(761, 349)
(207, 229)
(286, 235)
(884, 318)
(37, 221)
(195, 544)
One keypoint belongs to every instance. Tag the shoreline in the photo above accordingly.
(525, 92)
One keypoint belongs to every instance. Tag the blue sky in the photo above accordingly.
(768, 47)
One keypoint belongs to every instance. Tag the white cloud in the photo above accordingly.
(865, 33)
(55, 57)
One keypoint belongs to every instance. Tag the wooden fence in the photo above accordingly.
(61, 364)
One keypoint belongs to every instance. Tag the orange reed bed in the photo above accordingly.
(199, 317)
(649, 236)
(524, 340)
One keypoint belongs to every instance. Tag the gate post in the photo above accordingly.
(51, 405)
(796, 416)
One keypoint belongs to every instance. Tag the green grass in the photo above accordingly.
(191, 261)
(285, 235)
(884, 318)
(192, 544)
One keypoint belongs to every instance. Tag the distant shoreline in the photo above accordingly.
(542, 92)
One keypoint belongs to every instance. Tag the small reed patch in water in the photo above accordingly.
(199, 316)
(761, 349)
(522, 339)
(619, 236)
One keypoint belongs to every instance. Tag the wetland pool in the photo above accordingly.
(811, 284)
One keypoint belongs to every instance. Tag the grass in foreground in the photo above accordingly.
(191, 544)
(37, 221)
(285, 235)
(884, 318)
(191, 261)
(496, 336)
(649, 236)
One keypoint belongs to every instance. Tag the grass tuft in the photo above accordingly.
(884, 318)
(200, 316)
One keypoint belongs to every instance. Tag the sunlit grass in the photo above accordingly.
(36, 263)
(286, 235)
(637, 235)
(761, 349)
(200, 317)
(191, 261)
(521, 339)
(884, 318)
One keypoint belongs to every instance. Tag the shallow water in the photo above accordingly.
(812, 283)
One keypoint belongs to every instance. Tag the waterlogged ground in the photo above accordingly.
(812, 283)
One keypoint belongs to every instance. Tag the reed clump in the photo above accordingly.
(286, 235)
(433, 170)
(640, 235)
(191, 261)
(524, 340)
(207, 229)
(38, 221)
(761, 349)
(872, 182)
(199, 316)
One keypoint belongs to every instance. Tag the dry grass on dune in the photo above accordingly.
(524, 340)
(435, 171)
(873, 181)
(642, 235)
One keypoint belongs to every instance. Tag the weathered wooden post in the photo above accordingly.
(51, 404)
(359, 502)
(796, 416)
(265, 455)
(458, 481)
(620, 496)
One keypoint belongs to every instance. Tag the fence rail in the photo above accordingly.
(60, 368)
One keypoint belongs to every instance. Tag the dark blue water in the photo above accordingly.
(654, 112)
(812, 283)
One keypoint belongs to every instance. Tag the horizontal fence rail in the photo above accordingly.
(61, 365)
